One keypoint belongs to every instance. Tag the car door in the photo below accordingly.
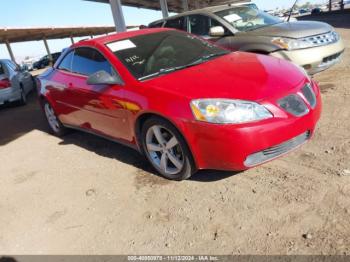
(99, 107)
(57, 90)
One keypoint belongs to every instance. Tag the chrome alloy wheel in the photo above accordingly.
(164, 150)
(51, 118)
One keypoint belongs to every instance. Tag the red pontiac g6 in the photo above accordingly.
(183, 102)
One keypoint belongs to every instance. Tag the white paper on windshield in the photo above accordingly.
(121, 45)
(232, 18)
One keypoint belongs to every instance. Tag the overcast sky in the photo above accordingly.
(29, 13)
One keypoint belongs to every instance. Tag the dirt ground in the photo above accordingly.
(86, 195)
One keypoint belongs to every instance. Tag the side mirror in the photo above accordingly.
(104, 78)
(217, 31)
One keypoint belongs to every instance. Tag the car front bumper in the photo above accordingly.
(9, 95)
(315, 59)
(240, 147)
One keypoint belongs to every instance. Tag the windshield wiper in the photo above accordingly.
(162, 71)
(209, 56)
(200, 60)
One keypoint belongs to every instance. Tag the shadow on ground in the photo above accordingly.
(126, 155)
(17, 121)
(7, 259)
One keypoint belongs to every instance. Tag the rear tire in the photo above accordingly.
(23, 99)
(54, 123)
(166, 149)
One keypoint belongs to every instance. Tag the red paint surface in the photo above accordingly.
(114, 110)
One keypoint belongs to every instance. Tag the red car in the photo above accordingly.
(183, 102)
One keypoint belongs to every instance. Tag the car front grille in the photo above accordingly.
(276, 151)
(323, 39)
(309, 94)
(294, 105)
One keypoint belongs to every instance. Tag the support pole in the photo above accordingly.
(164, 8)
(47, 49)
(185, 5)
(9, 49)
(197, 5)
(72, 40)
(118, 15)
(330, 5)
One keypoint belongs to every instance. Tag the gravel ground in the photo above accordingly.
(86, 195)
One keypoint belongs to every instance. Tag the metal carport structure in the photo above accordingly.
(11, 35)
(165, 6)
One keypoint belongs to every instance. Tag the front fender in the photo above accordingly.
(248, 44)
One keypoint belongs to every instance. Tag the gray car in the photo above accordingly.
(15, 84)
(315, 46)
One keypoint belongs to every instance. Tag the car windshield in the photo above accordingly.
(151, 55)
(246, 18)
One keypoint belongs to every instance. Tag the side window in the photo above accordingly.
(156, 24)
(66, 63)
(11, 65)
(87, 61)
(213, 22)
(2, 71)
(199, 25)
(178, 23)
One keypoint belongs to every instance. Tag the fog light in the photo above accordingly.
(307, 67)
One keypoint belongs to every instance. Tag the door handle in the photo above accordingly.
(70, 84)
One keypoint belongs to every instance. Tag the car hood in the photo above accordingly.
(298, 29)
(238, 75)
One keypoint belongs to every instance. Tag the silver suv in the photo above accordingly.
(315, 46)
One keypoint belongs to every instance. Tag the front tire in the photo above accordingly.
(55, 124)
(166, 149)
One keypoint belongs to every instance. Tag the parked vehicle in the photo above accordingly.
(45, 61)
(303, 11)
(15, 84)
(315, 46)
(182, 101)
(316, 11)
(28, 64)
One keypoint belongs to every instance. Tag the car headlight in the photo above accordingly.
(307, 42)
(228, 111)
(292, 44)
(335, 35)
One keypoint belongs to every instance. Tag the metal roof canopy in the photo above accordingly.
(10, 35)
(165, 6)
(176, 6)
(34, 34)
